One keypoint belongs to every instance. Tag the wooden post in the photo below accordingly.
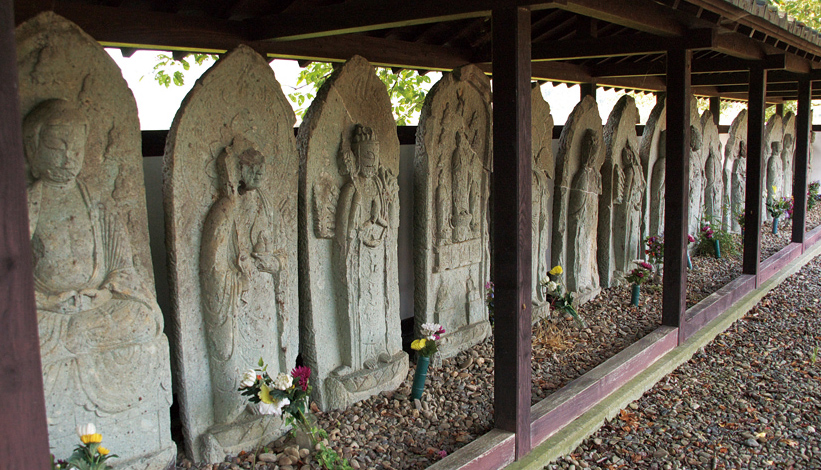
(779, 109)
(677, 186)
(587, 89)
(802, 146)
(715, 108)
(23, 430)
(511, 224)
(755, 175)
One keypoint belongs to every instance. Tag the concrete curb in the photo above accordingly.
(566, 440)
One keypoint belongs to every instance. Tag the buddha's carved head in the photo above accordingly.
(54, 135)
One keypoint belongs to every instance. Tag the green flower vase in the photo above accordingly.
(689, 261)
(717, 247)
(635, 294)
(419, 377)
(775, 225)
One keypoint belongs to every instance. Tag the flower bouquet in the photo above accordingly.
(425, 348)
(283, 395)
(90, 455)
(708, 237)
(690, 239)
(813, 190)
(638, 276)
(560, 300)
(777, 207)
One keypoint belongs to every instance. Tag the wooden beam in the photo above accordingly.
(755, 173)
(676, 209)
(356, 16)
(623, 45)
(658, 67)
(511, 238)
(23, 429)
(803, 118)
(641, 15)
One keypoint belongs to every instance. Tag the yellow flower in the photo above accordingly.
(556, 270)
(95, 438)
(265, 394)
(418, 344)
(102, 450)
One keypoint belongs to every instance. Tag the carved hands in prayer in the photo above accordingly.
(71, 302)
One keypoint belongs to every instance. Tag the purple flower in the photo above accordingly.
(690, 238)
(302, 373)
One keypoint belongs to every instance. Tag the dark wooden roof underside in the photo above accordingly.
(613, 43)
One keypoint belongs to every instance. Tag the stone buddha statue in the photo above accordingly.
(100, 327)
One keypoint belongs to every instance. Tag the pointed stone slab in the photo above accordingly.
(623, 187)
(544, 171)
(451, 187)
(348, 223)
(735, 170)
(230, 187)
(652, 154)
(105, 358)
(713, 169)
(576, 200)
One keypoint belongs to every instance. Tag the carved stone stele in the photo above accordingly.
(773, 170)
(713, 168)
(576, 200)
(735, 170)
(788, 153)
(230, 187)
(623, 187)
(451, 185)
(348, 224)
(104, 355)
(695, 195)
(544, 171)
(652, 152)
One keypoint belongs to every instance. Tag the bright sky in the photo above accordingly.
(157, 104)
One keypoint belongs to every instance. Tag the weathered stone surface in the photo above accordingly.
(774, 171)
(230, 201)
(348, 221)
(623, 186)
(652, 154)
(105, 358)
(787, 153)
(695, 199)
(576, 200)
(736, 140)
(452, 180)
(735, 169)
(713, 168)
(544, 170)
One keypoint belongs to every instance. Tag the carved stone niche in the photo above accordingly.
(773, 169)
(576, 200)
(652, 153)
(451, 187)
(348, 223)
(104, 356)
(623, 187)
(544, 171)
(788, 153)
(230, 187)
(713, 168)
(735, 170)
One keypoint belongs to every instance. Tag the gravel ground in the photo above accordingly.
(390, 431)
(749, 399)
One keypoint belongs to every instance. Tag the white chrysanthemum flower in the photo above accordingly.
(249, 378)
(552, 286)
(274, 408)
(283, 381)
(86, 429)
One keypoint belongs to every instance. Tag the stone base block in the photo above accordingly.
(163, 459)
(247, 434)
(342, 391)
(453, 343)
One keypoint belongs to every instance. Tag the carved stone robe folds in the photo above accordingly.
(584, 211)
(239, 300)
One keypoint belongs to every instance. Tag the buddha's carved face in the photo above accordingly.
(368, 158)
(252, 175)
(60, 151)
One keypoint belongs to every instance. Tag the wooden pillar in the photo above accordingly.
(755, 175)
(587, 89)
(802, 147)
(511, 224)
(677, 186)
(715, 108)
(779, 109)
(23, 430)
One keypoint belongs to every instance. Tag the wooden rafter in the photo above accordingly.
(623, 45)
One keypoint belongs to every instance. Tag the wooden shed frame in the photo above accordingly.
(731, 49)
